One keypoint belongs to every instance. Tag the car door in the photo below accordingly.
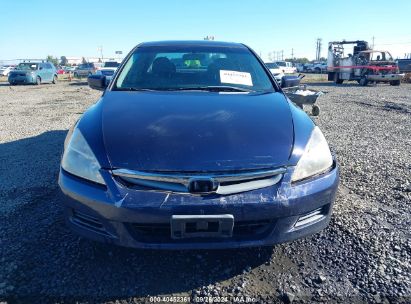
(50, 71)
(45, 72)
(41, 72)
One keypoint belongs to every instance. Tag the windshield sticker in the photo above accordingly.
(235, 77)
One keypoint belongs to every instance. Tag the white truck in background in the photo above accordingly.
(286, 67)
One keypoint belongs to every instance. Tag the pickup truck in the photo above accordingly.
(286, 67)
(318, 67)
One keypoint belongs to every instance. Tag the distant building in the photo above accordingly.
(79, 60)
(74, 60)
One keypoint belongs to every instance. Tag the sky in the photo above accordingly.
(37, 28)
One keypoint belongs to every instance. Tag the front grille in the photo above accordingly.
(161, 232)
(202, 183)
(18, 75)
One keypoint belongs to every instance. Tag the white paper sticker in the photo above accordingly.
(236, 77)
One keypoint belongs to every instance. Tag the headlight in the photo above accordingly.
(316, 158)
(79, 160)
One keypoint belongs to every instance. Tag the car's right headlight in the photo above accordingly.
(316, 158)
(78, 159)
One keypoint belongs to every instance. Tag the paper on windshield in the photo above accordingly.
(235, 77)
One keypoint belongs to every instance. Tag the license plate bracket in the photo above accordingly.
(202, 226)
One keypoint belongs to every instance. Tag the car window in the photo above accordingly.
(27, 66)
(185, 67)
(272, 65)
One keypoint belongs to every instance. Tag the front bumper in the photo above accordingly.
(27, 79)
(141, 219)
(385, 78)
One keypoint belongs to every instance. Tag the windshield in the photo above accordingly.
(27, 66)
(272, 65)
(111, 64)
(193, 68)
(380, 56)
(281, 63)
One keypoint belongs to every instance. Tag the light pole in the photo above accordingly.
(100, 49)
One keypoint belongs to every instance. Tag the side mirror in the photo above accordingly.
(97, 82)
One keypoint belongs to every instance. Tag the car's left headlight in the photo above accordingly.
(316, 158)
(78, 159)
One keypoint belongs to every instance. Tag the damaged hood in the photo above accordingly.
(196, 131)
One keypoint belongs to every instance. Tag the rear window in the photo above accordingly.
(27, 66)
(191, 67)
(111, 64)
(272, 65)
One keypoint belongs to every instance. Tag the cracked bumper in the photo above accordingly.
(116, 215)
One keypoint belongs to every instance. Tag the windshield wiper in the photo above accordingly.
(204, 88)
(213, 89)
(134, 89)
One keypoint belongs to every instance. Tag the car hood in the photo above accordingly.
(276, 71)
(196, 131)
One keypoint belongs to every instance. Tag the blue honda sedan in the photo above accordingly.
(194, 145)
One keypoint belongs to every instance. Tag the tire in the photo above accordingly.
(38, 80)
(317, 70)
(54, 79)
(395, 82)
(363, 82)
(315, 110)
(337, 79)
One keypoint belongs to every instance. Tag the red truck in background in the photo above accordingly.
(363, 64)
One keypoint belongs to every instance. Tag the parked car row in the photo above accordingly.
(37, 72)
(5, 70)
(107, 68)
(316, 67)
(280, 68)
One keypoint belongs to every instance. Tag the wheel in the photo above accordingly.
(395, 82)
(317, 70)
(337, 79)
(315, 110)
(54, 79)
(38, 80)
(363, 81)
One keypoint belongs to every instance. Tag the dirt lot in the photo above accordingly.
(363, 256)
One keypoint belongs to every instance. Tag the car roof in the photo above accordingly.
(192, 43)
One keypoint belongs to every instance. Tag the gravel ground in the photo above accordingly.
(363, 256)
